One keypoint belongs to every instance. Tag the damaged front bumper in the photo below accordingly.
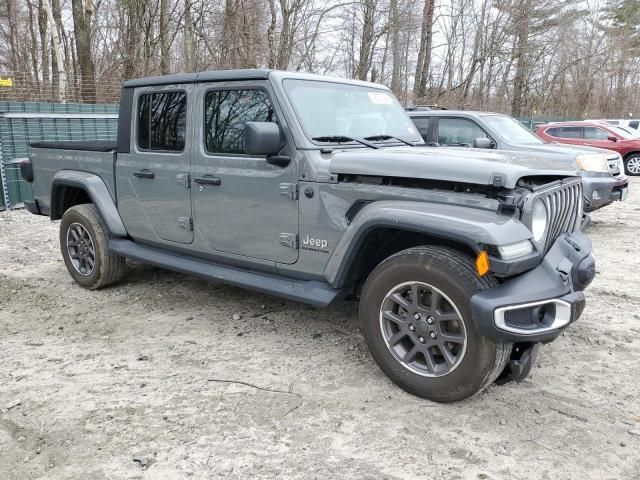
(536, 306)
(600, 190)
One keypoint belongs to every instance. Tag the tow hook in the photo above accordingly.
(521, 363)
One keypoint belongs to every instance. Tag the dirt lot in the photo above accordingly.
(138, 381)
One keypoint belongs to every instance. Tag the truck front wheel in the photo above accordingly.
(83, 242)
(415, 312)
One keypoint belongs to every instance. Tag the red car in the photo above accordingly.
(594, 134)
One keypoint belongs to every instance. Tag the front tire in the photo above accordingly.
(416, 317)
(632, 164)
(83, 242)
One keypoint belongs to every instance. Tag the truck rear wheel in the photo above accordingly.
(83, 242)
(416, 317)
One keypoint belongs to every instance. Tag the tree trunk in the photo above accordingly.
(34, 43)
(424, 53)
(12, 20)
(132, 39)
(164, 37)
(271, 42)
(521, 51)
(396, 65)
(44, 42)
(366, 42)
(188, 37)
(82, 13)
(57, 51)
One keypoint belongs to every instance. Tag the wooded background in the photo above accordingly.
(558, 58)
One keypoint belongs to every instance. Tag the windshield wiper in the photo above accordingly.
(389, 137)
(344, 139)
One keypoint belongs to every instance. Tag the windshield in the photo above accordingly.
(512, 130)
(338, 112)
(623, 133)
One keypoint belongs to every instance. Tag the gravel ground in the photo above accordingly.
(168, 377)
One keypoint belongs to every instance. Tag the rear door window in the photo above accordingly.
(162, 121)
(458, 131)
(565, 132)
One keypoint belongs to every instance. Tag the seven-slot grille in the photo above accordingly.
(564, 209)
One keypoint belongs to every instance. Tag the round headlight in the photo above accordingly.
(538, 220)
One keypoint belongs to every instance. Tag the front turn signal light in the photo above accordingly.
(482, 263)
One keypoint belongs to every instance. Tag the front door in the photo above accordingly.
(153, 179)
(597, 137)
(242, 204)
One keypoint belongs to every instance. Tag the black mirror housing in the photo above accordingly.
(262, 138)
(482, 142)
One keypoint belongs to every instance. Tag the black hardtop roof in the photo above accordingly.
(211, 76)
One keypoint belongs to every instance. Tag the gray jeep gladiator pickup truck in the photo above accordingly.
(603, 177)
(314, 189)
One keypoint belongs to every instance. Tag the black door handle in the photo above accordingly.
(144, 173)
(208, 180)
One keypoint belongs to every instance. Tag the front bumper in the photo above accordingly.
(600, 191)
(538, 305)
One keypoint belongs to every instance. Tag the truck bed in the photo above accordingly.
(97, 146)
(48, 158)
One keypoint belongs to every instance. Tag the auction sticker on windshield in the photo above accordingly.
(380, 98)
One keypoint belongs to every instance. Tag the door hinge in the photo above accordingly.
(289, 240)
(289, 190)
(186, 223)
(183, 179)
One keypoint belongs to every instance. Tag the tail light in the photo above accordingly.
(26, 170)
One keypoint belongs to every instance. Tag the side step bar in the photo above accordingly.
(312, 292)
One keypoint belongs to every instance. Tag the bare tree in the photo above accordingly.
(82, 14)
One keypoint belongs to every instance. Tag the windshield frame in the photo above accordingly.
(494, 126)
(309, 137)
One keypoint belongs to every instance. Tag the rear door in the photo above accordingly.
(153, 178)
(242, 204)
(569, 135)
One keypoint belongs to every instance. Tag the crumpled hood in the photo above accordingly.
(468, 165)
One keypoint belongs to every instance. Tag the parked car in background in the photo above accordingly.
(596, 134)
(602, 176)
(633, 123)
(631, 131)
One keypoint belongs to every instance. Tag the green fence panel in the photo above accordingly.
(22, 123)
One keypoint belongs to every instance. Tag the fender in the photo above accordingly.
(469, 226)
(97, 191)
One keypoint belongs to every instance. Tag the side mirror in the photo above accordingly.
(482, 142)
(612, 138)
(262, 138)
(265, 138)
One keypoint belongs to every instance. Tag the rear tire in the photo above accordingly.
(83, 242)
(416, 317)
(632, 164)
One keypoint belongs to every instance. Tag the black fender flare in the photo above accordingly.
(95, 187)
(469, 226)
